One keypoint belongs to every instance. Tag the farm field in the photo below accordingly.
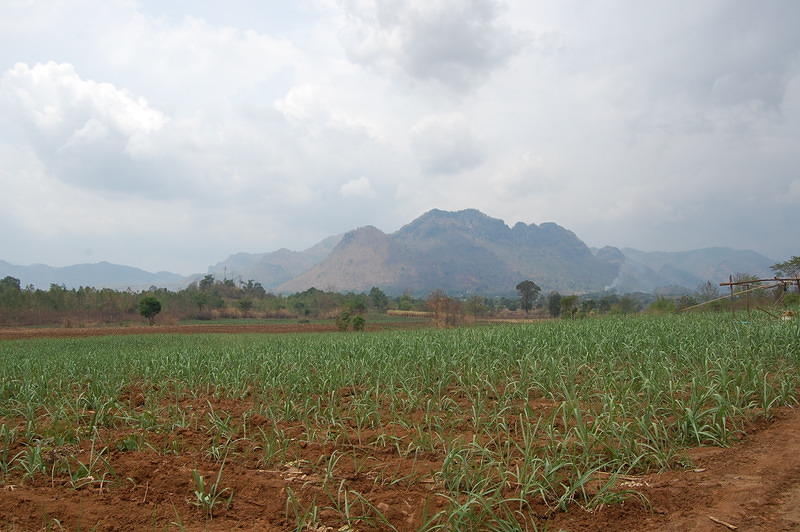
(224, 326)
(636, 423)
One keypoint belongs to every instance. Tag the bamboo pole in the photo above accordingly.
(726, 297)
(773, 279)
(733, 308)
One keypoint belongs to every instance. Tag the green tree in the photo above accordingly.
(510, 304)
(356, 303)
(246, 305)
(149, 307)
(254, 289)
(405, 302)
(200, 299)
(788, 268)
(569, 305)
(378, 298)
(10, 284)
(528, 292)
(588, 305)
(358, 323)
(628, 305)
(206, 283)
(554, 304)
(476, 306)
(343, 321)
(662, 305)
(10, 292)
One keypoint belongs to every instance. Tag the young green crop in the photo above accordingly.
(518, 420)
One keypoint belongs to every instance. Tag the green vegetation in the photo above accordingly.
(149, 307)
(528, 292)
(343, 321)
(207, 497)
(554, 304)
(507, 423)
(788, 268)
(207, 300)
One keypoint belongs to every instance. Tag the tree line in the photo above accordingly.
(207, 299)
(210, 298)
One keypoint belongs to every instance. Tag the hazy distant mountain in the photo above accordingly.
(99, 275)
(276, 267)
(649, 271)
(459, 252)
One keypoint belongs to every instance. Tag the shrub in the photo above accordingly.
(661, 305)
(358, 323)
(791, 299)
(343, 321)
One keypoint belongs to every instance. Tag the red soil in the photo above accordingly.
(14, 333)
(754, 485)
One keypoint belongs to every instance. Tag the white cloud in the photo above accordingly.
(357, 188)
(456, 42)
(91, 134)
(54, 97)
(307, 106)
(627, 123)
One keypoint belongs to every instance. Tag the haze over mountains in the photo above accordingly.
(463, 252)
(100, 275)
(458, 252)
(276, 267)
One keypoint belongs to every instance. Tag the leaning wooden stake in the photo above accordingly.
(723, 523)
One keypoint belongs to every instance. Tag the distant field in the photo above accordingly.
(221, 326)
(504, 427)
(377, 317)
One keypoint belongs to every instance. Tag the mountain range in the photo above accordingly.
(100, 275)
(462, 252)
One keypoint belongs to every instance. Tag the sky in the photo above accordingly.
(170, 134)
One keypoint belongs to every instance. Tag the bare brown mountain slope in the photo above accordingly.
(459, 252)
(273, 268)
(363, 259)
(467, 252)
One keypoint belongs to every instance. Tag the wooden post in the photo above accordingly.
(733, 309)
(747, 300)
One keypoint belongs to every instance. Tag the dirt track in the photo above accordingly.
(754, 485)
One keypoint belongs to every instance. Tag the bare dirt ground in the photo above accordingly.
(15, 333)
(754, 485)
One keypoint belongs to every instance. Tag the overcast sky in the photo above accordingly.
(169, 134)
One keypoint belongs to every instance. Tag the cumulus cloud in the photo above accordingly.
(456, 42)
(53, 97)
(91, 134)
